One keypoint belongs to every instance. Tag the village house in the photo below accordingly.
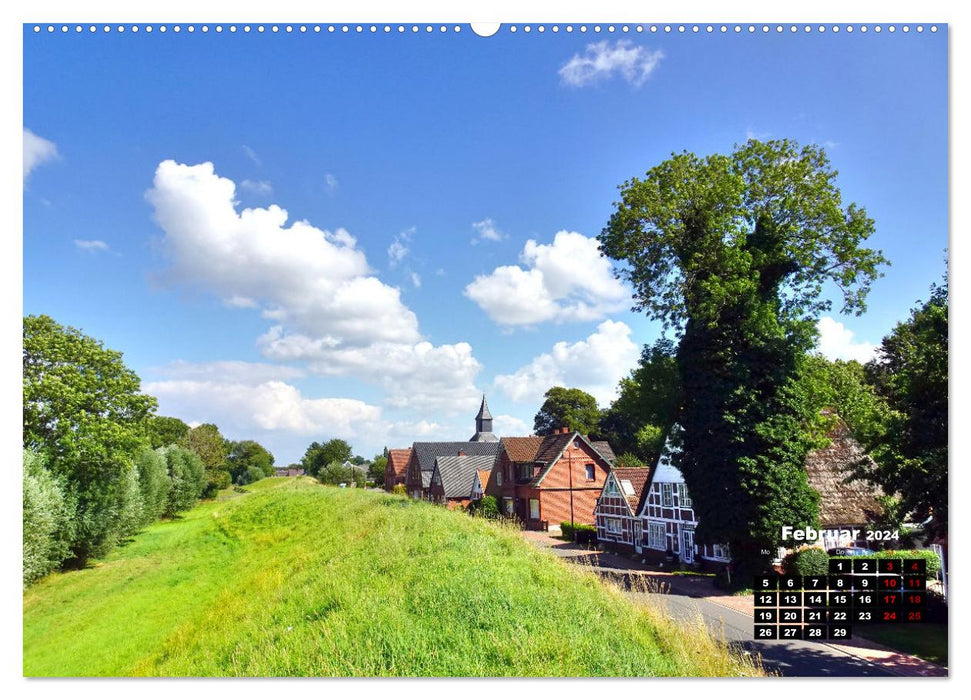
(455, 476)
(544, 481)
(844, 504)
(616, 514)
(287, 471)
(668, 520)
(394, 472)
(421, 463)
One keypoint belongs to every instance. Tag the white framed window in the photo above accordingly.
(534, 508)
(499, 478)
(510, 509)
(667, 495)
(684, 498)
(613, 526)
(655, 535)
(611, 487)
(720, 551)
(627, 486)
(591, 472)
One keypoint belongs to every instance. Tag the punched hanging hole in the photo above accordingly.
(485, 28)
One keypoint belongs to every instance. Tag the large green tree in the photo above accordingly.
(377, 469)
(212, 448)
(910, 373)
(320, 455)
(647, 405)
(567, 408)
(84, 412)
(248, 459)
(165, 430)
(733, 251)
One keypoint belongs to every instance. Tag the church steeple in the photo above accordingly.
(483, 425)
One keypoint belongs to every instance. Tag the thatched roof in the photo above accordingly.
(842, 501)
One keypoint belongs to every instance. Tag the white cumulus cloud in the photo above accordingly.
(567, 280)
(314, 279)
(595, 365)
(836, 342)
(269, 406)
(420, 375)
(603, 60)
(37, 151)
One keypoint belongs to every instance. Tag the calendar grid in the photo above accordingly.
(825, 607)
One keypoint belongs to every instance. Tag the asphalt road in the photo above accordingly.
(788, 658)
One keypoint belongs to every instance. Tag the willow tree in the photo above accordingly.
(734, 253)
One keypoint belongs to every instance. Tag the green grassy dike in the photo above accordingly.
(296, 579)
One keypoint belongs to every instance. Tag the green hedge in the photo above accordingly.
(583, 534)
(933, 562)
(811, 561)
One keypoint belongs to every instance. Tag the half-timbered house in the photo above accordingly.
(616, 514)
(668, 520)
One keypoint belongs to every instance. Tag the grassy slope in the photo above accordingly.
(296, 579)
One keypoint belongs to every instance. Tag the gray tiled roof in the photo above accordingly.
(604, 448)
(456, 473)
(427, 452)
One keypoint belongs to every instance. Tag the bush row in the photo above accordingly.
(160, 483)
(813, 561)
(578, 532)
(933, 561)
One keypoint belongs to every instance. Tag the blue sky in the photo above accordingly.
(450, 187)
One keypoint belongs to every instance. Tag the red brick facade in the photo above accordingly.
(396, 470)
(546, 493)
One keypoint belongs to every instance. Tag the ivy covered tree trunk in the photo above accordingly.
(733, 253)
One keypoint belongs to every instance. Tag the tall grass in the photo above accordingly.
(295, 579)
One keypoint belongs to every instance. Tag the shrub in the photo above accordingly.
(48, 519)
(808, 561)
(486, 507)
(579, 533)
(153, 482)
(188, 476)
(400, 490)
(131, 512)
(250, 475)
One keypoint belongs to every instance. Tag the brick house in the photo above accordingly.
(617, 512)
(543, 481)
(455, 476)
(394, 472)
